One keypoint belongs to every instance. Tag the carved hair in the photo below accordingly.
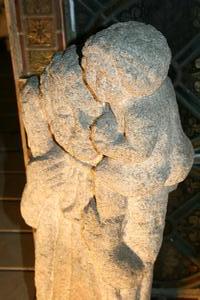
(131, 57)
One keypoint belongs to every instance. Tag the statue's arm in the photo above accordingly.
(109, 142)
(138, 140)
(41, 144)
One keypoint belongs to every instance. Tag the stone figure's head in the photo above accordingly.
(126, 60)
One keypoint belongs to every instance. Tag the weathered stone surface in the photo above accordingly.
(107, 148)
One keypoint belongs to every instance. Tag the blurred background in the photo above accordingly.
(39, 28)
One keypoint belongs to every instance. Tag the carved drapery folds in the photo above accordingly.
(107, 147)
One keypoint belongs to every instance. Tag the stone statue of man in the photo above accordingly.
(107, 147)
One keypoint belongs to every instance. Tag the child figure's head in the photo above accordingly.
(127, 60)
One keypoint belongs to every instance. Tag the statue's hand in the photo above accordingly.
(46, 181)
(104, 132)
(109, 142)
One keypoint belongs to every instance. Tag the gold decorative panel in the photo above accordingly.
(38, 59)
(40, 33)
(34, 7)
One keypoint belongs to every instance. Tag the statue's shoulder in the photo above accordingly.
(166, 92)
(156, 105)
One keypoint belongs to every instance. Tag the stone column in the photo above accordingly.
(106, 149)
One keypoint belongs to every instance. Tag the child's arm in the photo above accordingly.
(109, 142)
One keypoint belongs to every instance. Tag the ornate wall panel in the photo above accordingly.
(40, 32)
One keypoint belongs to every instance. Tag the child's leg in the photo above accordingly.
(144, 231)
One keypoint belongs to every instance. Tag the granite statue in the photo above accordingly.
(107, 147)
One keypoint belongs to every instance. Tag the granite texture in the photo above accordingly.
(107, 147)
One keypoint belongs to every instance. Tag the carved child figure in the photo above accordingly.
(108, 146)
(145, 150)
